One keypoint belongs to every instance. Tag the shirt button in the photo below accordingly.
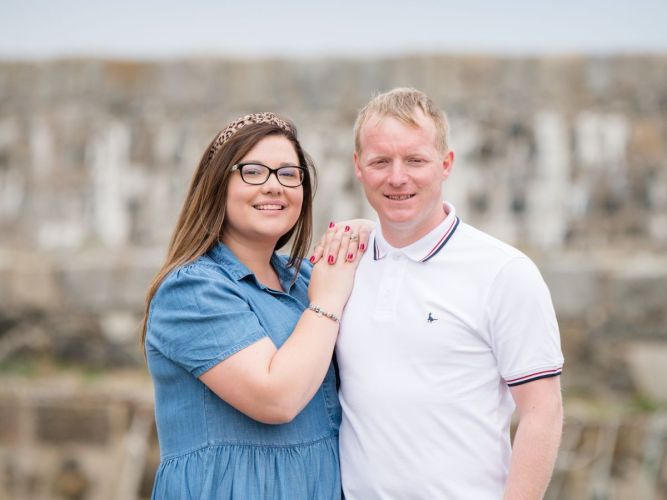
(396, 256)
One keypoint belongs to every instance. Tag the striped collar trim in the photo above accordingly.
(425, 248)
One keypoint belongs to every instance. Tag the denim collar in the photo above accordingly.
(222, 255)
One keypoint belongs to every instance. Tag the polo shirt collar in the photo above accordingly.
(426, 247)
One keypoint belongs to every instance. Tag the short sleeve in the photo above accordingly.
(199, 318)
(522, 324)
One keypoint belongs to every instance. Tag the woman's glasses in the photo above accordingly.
(257, 174)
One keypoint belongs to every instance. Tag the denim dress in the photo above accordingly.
(202, 313)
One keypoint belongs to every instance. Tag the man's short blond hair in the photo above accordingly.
(403, 103)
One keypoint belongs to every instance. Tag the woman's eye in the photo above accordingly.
(252, 170)
(288, 172)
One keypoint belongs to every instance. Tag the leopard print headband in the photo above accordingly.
(249, 119)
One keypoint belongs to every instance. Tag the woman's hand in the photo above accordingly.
(331, 281)
(351, 236)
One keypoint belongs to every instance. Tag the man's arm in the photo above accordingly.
(540, 409)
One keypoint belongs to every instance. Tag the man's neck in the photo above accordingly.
(400, 235)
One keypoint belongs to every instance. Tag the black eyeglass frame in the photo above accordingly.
(274, 171)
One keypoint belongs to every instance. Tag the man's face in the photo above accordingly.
(402, 172)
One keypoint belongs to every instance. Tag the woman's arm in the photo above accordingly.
(273, 385)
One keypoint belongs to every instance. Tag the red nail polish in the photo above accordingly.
(312, 259)
(330, 259)
(349, 256)
(331, 224)
(347, 228)
(362, 247)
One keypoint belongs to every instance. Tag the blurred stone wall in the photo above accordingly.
(73, 439)
(565, 157)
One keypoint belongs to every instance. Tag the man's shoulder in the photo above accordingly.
(481, 245)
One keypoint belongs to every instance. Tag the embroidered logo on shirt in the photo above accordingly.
(430, 318)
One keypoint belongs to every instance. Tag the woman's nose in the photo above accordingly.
(272, 185)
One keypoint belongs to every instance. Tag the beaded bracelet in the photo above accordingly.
(321, 312)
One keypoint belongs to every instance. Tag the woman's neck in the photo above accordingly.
(256, 257)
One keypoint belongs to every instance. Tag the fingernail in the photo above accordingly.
(312, 259)
(350, 256)
(331, 224)
(362, 247)
(330, 259)
(347, 228)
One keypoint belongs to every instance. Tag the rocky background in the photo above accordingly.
(564, 157)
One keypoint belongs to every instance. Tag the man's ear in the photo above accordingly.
(447, 164)
(357, 167)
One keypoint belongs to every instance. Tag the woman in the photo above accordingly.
(237, 341)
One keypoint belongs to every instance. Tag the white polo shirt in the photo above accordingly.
(431, 339)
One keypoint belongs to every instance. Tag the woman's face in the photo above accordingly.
(261, 214)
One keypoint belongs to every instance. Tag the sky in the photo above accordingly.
(149, 29)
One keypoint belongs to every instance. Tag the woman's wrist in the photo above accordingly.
(328, 305)
(320, 311)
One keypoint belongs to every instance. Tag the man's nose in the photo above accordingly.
(397, 173)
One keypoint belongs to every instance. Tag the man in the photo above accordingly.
(447, 330)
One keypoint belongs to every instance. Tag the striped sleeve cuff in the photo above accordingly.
(534, 376)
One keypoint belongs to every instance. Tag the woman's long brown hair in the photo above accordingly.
(200, 222)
